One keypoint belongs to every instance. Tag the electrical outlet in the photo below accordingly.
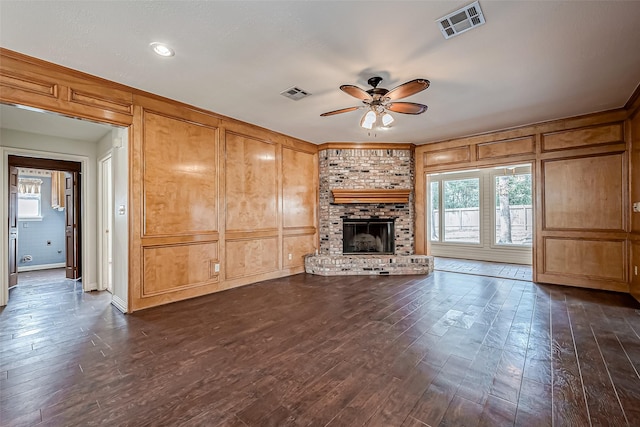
(290, 257)
(636, 207)
(216, 268)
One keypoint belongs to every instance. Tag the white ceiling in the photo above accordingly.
(531, 61)
(28, 120)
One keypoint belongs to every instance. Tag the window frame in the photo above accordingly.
(30, 196)
(440, 178)
(487, 249)
(499, 171)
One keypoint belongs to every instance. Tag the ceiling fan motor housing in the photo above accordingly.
(374, 81)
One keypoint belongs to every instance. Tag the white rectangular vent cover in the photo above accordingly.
(295, 93)
(461, 20)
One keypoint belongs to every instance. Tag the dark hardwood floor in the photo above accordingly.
(444, 350)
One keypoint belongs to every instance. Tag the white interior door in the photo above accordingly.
(106, 216)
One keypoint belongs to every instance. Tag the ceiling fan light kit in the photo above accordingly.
(369, 119)
(387, 119)
(379, 101)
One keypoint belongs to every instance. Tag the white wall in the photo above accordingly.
(117, 143)
(34, 145)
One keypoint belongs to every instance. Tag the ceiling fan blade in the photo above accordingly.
(406, 107)
(407, 89)
(356, 92)
(344, 110)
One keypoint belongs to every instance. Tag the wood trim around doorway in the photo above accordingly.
(73, 246)
(49, 164)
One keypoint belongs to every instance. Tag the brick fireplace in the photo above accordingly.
(366, 185)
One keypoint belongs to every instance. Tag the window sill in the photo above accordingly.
(29, 219)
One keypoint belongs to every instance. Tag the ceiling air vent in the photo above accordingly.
(461, 20)
(295, 93)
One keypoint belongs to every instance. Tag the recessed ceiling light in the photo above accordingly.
(162, 49)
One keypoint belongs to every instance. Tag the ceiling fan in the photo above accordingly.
(379, 101)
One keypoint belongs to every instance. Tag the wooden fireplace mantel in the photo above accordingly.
(370, 196)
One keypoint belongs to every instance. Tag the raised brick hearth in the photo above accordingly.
(366, 169)
(348, 265)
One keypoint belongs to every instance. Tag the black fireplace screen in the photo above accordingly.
(366, 236)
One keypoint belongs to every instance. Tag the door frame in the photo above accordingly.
(88, 264)
(103, 192)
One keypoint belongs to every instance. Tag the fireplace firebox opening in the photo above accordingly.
(368, 236)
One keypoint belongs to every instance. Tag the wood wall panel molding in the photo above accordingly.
(634, 169)
(136, 213)
(251, 235)
(510, 147)
(245, 258)
(597, 259)
(578, 122)
(584, 193)
(21, 83)
(172, 268)
(299, 188)
(104, 101)
(296, 247)
(180, 191)
(447, 156)
(583, 282)
(251, 183)
(585, 137)
(171, 109)
(634, 255)
(570, 153)
(633, 103)
(581, 234)
(43, 85)
(180, 239)
(293, 231)
(266, 135)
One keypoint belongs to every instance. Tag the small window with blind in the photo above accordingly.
(29, 199)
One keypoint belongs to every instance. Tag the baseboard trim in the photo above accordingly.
(118, 303)
(41, 267)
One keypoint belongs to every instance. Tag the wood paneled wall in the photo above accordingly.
(581, 183)
(214, 203)
(633, 134)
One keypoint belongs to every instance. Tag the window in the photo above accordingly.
(29, 199)
(461, 210)
(514, 211)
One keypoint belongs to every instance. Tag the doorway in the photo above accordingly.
(26, 194)
(37, 134)
(482, 214)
